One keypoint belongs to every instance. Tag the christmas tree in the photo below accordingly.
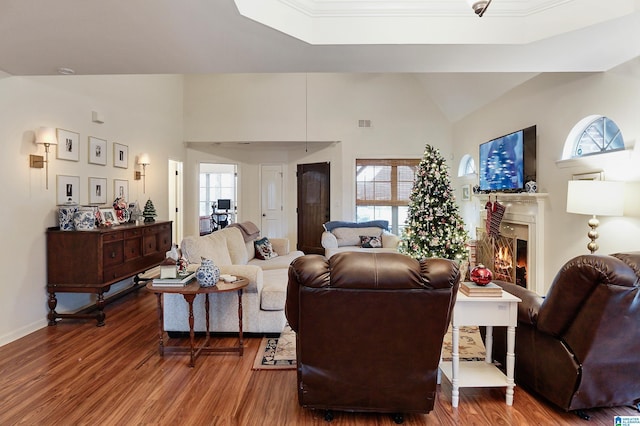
(434, 227)
(149, 212)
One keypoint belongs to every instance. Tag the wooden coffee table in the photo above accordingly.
(189, 292)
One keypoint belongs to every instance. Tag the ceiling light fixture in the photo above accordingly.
(479, 6)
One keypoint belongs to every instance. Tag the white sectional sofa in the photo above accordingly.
(263, 300)
(339, 236)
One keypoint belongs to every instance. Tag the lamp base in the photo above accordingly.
(593, 234)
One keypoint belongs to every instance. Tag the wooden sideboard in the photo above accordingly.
(92, 261)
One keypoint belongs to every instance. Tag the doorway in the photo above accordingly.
(175, 200)
(271, 200)
(218, 199)
(313, 205)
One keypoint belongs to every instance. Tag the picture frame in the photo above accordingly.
(589, 176)
(120, 156)
(466, 192)
(97, 190)
(121, 189)
(67, 189)
(97, 151)
(68, 145)
(108, 217)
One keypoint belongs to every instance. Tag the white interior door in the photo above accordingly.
(272, 203)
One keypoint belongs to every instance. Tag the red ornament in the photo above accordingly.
(481, 275)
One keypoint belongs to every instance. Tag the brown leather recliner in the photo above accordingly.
(580, 346)
(369, 329)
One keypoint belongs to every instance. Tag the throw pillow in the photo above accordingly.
(264, 249)
(370, 242)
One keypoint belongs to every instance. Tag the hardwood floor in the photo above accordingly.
(77, 373)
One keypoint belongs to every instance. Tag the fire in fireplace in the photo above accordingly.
(505, 255)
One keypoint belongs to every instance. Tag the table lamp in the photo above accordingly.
(596, 198)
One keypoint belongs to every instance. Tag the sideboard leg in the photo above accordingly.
(100, 316)
(53, 302)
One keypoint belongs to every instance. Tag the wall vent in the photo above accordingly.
(364, 123)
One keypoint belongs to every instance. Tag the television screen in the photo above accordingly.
(224, 204)
(507, 162)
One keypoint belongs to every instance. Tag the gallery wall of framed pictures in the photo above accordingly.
(100, 191)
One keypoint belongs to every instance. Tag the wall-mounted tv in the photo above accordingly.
(508, 162)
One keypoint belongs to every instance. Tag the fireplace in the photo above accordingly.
(516, 255)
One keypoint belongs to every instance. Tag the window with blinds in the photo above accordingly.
(383, 187)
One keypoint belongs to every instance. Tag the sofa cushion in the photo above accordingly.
(280, 262)
(274, 290)
(235, 245)
(351, 236)
(212, 246)
(370, 242)
(264, 249)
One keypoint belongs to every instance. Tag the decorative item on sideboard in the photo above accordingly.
(149, 212)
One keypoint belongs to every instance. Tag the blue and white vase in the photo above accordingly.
(85, 219)
(207, 273)
(66, 214)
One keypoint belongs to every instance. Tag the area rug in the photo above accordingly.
(279, 353)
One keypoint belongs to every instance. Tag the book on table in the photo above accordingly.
(179, 281)
(472, 289)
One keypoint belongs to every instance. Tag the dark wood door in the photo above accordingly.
(313, 205)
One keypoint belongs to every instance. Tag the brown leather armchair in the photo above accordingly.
(369, 330)
(579, 347)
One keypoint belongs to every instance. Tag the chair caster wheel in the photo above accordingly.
(398, 418)
(582, 415)
(328, 416)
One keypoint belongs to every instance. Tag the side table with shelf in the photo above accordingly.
(92, 261)
(489, 312)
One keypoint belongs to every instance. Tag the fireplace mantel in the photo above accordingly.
(525, 209)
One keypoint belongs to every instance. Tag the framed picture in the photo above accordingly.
(120, 156)
(97, 151)
(68, 145)
(68, 189)
(97, 190)
(466, 192)
(589, 176)
(121, 189)
(108, 217)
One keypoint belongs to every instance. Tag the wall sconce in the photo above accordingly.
(144, 161)
(46, 136)
(595, 197)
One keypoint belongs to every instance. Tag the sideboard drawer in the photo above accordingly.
(132, 249)
(112, 254)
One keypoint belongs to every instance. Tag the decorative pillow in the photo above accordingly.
(370, 242)
(264, 249)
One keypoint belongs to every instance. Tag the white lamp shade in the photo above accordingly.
(47, 135)
(595, 197)
(144, 159)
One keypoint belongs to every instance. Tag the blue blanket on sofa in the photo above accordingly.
(329, 226)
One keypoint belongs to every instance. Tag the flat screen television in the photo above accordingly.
(224, 204)
(508, 162)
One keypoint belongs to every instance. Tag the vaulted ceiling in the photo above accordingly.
(455, 53)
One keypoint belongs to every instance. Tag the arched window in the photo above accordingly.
(467, 166)
(594, 134)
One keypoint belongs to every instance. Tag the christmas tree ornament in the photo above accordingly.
(481, 275)
(149, 212)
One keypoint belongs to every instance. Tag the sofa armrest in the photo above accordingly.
(280, 245)
(390, 240)
(329, 240)
(251, 272)
(529, 307)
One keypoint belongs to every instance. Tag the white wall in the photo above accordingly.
(313, 107)
(555, 103)
(142, 112)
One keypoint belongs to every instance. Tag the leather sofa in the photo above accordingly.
(369, 329)
(579, 347)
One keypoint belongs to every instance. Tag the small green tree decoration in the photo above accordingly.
(149, 212)
(434, 227)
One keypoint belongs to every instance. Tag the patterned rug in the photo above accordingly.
(279, 353)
